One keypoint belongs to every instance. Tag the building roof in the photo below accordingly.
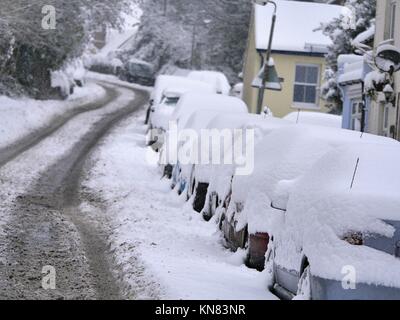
(351, 68)
(296, 25)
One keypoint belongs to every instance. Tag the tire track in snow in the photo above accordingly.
(46, 228)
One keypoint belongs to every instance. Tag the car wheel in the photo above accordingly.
(200, 196)
(304, 287)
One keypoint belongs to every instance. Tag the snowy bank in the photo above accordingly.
(20, 117)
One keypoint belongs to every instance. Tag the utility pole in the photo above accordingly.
(268, 57)
(193, 45)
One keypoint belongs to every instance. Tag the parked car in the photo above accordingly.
(164, 99)
(258, 202)
(341, 235)
(188, 116)
(216, 179)
(140, 72)
(217, 79)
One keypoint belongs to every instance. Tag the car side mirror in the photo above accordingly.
(281, 194)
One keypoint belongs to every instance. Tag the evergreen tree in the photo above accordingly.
(342, 31)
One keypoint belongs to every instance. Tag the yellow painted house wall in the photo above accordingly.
(280, 102)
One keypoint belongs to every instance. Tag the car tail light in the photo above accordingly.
(355, 239)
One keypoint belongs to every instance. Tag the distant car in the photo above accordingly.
(341, 236)
(217, 79)
(194, 111)
(258, 202)
(160, 115)
(140, 72)
(164, 99)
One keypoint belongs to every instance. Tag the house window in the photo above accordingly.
(356, 114)
(306, 85)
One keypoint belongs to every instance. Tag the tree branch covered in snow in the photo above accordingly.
(217, 30)
(28, 51)
(342, 31)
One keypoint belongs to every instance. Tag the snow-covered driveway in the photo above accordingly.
(162, 247)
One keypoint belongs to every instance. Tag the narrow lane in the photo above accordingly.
(12, 151)
(47, 229)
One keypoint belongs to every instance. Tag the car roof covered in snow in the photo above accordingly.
(296, 25)
(184, 84)
(327, 205)
(217, 79)
(192, 102)
(289, 152)
(315, 118)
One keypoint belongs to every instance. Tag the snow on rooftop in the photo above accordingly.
(351, 67)
(295, 26)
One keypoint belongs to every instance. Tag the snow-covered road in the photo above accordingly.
(40, 224)
(163, 248)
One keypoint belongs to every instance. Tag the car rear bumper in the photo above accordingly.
(324, 289)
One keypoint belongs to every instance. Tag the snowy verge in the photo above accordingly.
(20, 117)
(163, 248)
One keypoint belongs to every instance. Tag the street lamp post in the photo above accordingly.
(268, 55)
(194, 34)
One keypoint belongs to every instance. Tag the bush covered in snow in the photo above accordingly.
(29, 52)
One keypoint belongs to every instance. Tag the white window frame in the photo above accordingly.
(305, 105)
(357, 115)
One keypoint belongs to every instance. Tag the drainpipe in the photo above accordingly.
(363, 111)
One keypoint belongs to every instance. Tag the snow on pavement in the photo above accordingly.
(178, 254)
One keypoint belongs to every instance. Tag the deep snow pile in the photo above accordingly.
(156, 229)
(19, 117)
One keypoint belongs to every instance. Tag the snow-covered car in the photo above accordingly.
(341, 235)
(258, 201)
(237, 90)
(217, 79)
(216, 179)
(315, 118)
(188, 114)
(164, 99)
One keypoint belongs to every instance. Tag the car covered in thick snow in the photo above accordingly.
(212, 182)
(165, 98)
(258, 202)
(341, 235)
(217, 79)
(194, 112)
